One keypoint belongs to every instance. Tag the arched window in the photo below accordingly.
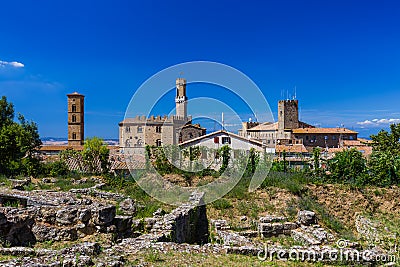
(73, 118)
(73, 108)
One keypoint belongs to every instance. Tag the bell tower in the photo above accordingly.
(76, 124)
(181, 99)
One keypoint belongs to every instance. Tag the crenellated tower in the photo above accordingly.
(181, 99)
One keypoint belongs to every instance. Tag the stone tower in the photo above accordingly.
(76, 124)
(288, 114)
(181, 99)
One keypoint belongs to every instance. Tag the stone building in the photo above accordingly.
(289, 130)
(76, 123)
(136, 133)
(280, 132)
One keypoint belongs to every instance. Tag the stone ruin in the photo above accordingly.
(30, 217)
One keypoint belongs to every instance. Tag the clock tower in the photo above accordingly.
(181, 99)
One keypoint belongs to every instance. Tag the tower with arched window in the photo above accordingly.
(76, 124)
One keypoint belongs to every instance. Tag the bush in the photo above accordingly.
(221, 204)
(56, 168)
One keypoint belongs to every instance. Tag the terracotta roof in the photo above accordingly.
(295, 148)
(353, 143)
(193, 125)
(323, 131)
(365, 141)
(65, 147)
(266, 126)
(60, 148)
(366, 150)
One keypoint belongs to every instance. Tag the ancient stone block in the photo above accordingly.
(306, 217)
(66, 216)
(103, 215)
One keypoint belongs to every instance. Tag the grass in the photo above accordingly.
(222, 204)
(328, 220)
(293, 182)
(4, 180)
(175, 258)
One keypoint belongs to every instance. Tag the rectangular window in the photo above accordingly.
(139, 129)
(334, 137)
(326, 138)
(216, 140)
(226, 140)
(158, 129)
(127, 129)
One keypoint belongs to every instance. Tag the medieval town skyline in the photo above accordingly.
(344, 71)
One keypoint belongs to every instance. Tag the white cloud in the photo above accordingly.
(377, 122)
(13, 64)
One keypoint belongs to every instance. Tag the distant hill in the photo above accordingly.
(64, 141)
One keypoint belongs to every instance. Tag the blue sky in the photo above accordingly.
(342, 56)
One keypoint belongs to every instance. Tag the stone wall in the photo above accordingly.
(186, 224)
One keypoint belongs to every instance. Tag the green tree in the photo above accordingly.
(19, 143)
(95, 152)
(384, 163)
(348, 166)
(225, 153)
(317, 160)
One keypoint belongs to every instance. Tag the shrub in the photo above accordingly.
(221, 204)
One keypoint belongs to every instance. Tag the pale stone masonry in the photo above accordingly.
(289, 130)
(135, 133)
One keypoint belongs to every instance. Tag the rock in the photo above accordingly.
(48, 215)
(304, 237)
(46, 180)
(128, 207)
(149, 223)
(306, 217)
(233, 239)
(271, 219)
(19, 184)
(243, 218)
(46, 233)
(84, 215)
(159, 212)
(220, 224)
(123, 223)
(66, 216)
(16, 228)
(103, 215)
